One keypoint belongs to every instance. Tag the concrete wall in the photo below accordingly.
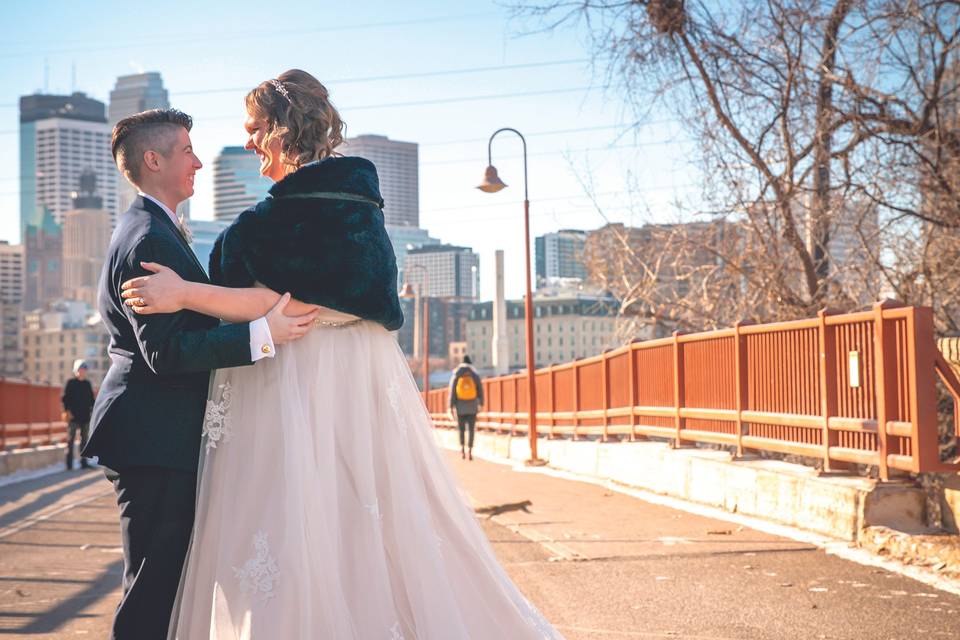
(32, 459)
(794, 495)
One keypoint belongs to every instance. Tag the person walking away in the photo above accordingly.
(466, 400)
(77, 402)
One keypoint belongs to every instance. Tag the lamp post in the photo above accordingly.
(424, 320)
(492, 184)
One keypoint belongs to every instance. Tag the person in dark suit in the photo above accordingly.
(77, 402)
(147, 419)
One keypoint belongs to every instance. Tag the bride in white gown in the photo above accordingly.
(325, 509)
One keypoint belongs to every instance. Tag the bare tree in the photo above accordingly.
(828, 148)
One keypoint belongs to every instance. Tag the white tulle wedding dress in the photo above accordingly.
(325, 509)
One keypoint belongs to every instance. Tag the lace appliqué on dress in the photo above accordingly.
(216, 419)
(260, 573)
(395, 632)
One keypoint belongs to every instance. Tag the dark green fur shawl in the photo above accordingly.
(320, 236)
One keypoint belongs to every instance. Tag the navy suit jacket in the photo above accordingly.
(150, 408)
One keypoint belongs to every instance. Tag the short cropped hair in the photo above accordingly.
(145, 131)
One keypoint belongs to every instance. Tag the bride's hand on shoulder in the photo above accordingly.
(162, 292)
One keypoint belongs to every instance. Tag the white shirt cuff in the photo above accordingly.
(261, 342)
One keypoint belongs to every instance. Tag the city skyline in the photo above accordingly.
(467, 70)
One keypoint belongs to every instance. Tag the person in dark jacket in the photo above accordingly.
(77, 402)
(466, 400)
(147, 421)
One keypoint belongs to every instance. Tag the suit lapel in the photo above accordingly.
(149, 205)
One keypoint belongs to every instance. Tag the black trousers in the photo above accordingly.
(464, 422)
(156, 519)
(84, 429)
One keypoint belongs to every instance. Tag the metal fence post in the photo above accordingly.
(740, 345)
(632, 372)
(605, 392)
(922, 352)
(553, 399)
(828, 380)
(881, 387)
(576, 399)
(678, 390)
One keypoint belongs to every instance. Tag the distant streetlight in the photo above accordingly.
(492, 184)
(408, 292)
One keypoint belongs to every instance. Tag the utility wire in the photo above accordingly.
(405, 76)
(167, 40)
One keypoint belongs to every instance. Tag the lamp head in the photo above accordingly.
(491, 181)
(407, 291)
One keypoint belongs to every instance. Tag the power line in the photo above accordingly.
(167, 40)
(625, 125)
(535, 201)
(533, 134)
(405, 76)
(434, 101)
(409, 75)
(637, 145)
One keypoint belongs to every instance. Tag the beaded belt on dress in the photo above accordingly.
(336, 324)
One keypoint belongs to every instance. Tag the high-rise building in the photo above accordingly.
(132, 94)
(43, 270)
(60, 138)
(135, 93)
(86, 237)
(854, 225)
(11, 272)
(559, 255)
(404, 239)
(448, 322)
(205, 233)
(452, 272)
(11, 309)
(54, 338)
(237, 183)
(398, 169)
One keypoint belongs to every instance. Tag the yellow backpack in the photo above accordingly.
(466, 387)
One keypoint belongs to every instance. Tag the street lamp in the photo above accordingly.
(424, 335)
(491, 184)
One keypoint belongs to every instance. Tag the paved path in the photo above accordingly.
(600, 565)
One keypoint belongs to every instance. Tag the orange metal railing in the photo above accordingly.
(851, 388)
(29, 415)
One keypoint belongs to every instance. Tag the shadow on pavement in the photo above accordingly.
(46, 499)
(69, 608)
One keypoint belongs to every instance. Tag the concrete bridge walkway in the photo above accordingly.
(600, 565)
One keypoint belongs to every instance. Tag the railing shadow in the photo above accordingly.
(46, 499)
(70, 608)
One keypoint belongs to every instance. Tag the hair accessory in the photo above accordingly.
(282, 90)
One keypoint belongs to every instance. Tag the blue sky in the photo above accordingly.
(210, 53)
